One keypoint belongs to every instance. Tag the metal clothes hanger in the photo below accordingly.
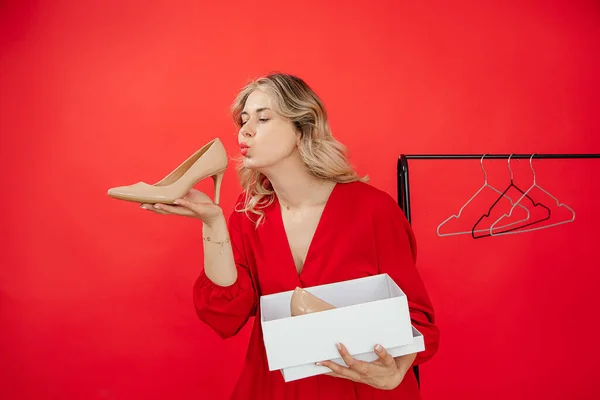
(511, 185)
(518, 201)
(485, 184)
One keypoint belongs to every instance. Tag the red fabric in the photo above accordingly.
(362, 232)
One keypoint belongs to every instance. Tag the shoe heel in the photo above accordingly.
(218, 179)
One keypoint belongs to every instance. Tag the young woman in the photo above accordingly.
(305, 218)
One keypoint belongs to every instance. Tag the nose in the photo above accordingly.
(246, 131)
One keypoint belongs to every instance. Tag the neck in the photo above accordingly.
(295, 186)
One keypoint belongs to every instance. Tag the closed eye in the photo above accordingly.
(261, 120)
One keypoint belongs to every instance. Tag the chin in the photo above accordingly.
(262, 164)
(253, 163)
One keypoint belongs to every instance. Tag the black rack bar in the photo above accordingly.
(493, 156)
(403, 175)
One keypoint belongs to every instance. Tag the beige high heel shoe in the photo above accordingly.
(304, 302)
(210, 160)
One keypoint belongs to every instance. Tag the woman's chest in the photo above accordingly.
(299, 231)
(332, 253)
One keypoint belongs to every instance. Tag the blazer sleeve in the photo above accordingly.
(396, 255)
(227, 309)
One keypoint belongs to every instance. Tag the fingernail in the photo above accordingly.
(318, 363)
(157, 207)
(339, 346)
(175, 201)
(378, 348)
(143, 206)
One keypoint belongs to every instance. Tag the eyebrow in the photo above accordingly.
(257, 110)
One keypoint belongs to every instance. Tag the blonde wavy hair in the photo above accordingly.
(323, 155)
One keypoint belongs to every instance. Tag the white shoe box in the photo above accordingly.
(369, 311)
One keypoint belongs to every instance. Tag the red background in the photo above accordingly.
(95, 294)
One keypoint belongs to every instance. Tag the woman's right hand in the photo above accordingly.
(194, 204)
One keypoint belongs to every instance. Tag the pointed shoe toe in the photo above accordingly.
(208, 161)
(303, 302)
(141, 192)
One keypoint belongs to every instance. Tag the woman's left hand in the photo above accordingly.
(383, 373)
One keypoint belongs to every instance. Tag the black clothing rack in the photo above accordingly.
(404, 183)
(403, 178)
